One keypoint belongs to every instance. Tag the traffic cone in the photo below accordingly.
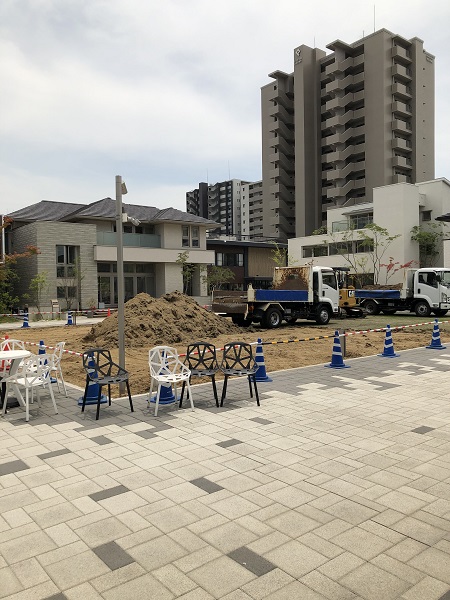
(436, 338)
(109, 312)
(69, 318)
(261, 374)
(25, 320)
(41, 347)
(337, 362)
(92, 393)
(389, 351)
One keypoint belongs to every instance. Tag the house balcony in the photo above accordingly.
(134, 240)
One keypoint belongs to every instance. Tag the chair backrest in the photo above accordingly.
(164, 360)
(97, 363)
(34, 370)
(57, 354)
(10, 344)
(237, 355)
(202, 356)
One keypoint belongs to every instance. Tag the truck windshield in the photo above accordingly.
(445, 278)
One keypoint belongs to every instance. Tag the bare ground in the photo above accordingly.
(177, 320)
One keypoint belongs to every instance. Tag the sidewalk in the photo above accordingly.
(80, 320)
(337, 487)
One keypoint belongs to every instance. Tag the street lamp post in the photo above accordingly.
(120, 189)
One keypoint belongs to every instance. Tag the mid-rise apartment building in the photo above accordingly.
(252, 210)
(342, 124)
(219, 202)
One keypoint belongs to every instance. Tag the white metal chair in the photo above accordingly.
(34, 373)
(55, 366)
(166, 369)
(9, 344)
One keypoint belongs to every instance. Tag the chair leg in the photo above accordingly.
(256, 390)
(85, 395)
(127, 383)
(158, 392)
(190, 394)
(52, 397)
(213, 379)
(109, 394)
(99, 397)
(182, 394)
(250, 385)
(27, 406)
(59, 372)
(224, 389)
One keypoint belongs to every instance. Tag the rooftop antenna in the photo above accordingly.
(374, 18)
(229, 171)
(207, 176)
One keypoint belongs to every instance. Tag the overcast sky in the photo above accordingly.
(166, 93)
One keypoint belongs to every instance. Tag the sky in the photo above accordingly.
(166, 93)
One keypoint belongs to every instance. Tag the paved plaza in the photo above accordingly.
(337, 487)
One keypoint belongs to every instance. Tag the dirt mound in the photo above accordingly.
(172, 319)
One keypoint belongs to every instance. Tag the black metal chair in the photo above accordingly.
(201, 360)
(238, 360)
(101, 370)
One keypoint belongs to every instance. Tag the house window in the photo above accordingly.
(185, 238)
(426, 215)
(195, 237)
(360, 221)
(65, 261)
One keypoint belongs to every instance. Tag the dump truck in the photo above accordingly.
(306, 292)
(423, 291)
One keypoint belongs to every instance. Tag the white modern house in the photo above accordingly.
(397, 208)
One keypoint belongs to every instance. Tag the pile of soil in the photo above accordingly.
(169, 320)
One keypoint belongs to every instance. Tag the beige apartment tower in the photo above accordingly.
(341, 124)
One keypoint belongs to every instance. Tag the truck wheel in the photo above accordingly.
(422, 309)
(323, 315)
(272, 318)
(439, 312)
(371, 307)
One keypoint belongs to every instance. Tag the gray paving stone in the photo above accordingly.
(251, 561)
(228, 443)
(206, 485)
(113, 555)
(423, 429)
(261, 421)
(147, 434)
(101, 440)
(48, 455)
(13, 466)
(109, 493)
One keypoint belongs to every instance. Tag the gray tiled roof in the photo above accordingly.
(46, 210)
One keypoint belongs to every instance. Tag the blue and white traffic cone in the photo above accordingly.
(41, 349)
(25, 320)
(69, 318)
(92, 392)
(337, 362)
(261, 374)
(436, 338)
(389, 351)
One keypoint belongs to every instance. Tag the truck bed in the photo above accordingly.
(281, 295)
(378, 294)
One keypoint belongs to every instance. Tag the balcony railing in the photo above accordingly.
(135, 240)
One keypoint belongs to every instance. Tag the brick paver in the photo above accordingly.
(337, 486)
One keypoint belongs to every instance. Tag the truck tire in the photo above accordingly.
(422, 309)
(440, 312)
(272, 318)
(371, 307)
(239, 320)
(323, 315)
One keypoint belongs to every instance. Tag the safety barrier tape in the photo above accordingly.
(274, 342)
(57, 312)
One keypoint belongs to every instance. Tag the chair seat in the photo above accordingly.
(239, 372)
(109, 379)
(203, 372)
(172, 377)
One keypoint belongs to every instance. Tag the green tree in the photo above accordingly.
(70, 285)
(429, 238)
(187, 269)
(280, 256)
(36, 291)
(215, 277)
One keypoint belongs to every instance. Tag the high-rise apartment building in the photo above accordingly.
(221, 201)
(252, 210)
(343, 123)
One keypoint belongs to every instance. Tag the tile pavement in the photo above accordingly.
(337, 487)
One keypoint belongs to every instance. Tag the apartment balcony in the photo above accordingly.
(283, 177)
(401, 126)
(401, 144)
(284, 101)
(401, 73)
(281, 113)
(282, 130)
(133, 240)
(339, 192)
(352, 167)
(341, 120)
(401, 91)
(339, 84)
(343, 155)
(402, 161)
(400, 54)
(397, 178)
(285, 204)
(343, 137)
(402, 109)
(282, 161)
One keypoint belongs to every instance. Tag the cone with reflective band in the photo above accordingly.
(25, 320)
(389, 351)
(436, 338)
(69, 318)
(261, 374)
(337, 362)
(93, 389)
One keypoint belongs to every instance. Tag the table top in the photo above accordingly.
(11, 354)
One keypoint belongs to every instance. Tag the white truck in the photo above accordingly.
(424, 291)
(305, 292)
